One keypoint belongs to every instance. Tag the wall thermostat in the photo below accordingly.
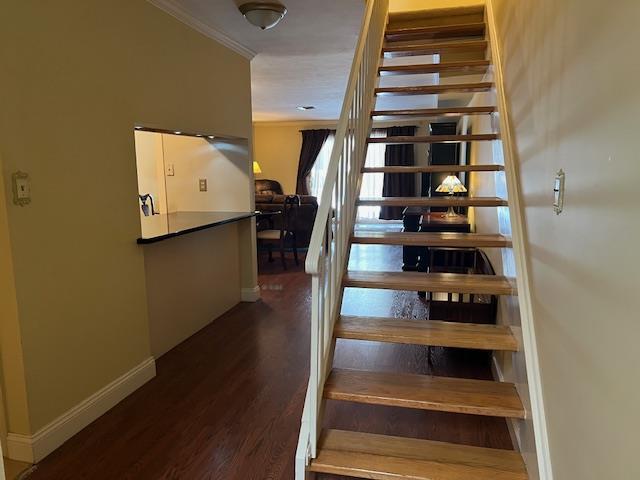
(21, 188)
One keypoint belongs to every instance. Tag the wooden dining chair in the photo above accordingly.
(286, 233)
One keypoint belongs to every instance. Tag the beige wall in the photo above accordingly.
(189, 283)
(82, 74)
(573, 93)
(276, 147)
(14, 415)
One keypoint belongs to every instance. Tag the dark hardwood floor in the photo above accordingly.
(226, 403)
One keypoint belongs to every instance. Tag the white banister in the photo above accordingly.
(328, 250)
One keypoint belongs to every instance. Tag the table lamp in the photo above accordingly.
(256, 168)
(451, 185)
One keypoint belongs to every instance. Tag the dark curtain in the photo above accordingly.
(398, 184)
(312, 141)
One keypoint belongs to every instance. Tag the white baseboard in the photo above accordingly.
(33, 448)
(251, 294)
(511, 422)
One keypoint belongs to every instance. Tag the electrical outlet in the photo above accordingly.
(170, 170)
(203, 184)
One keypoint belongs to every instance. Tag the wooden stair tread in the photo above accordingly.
(435, 31)
(466, 66)
(435, 112)
(435, 138)
(435, 89)
(437, 14)
(444, 201)
(434, 169)
(427, 332)
(432, 282)
(432, 239)
(382, 457)
(391, 51)
(425, 392)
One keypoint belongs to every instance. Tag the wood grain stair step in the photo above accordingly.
(435, 169)
(482, 137)
(469, 66)
(392, 51)
(432, 239)
(382, 457)
(438, 14)
(435, 112)
(425, 392)
(435, 32)
(444, 201)
(431, 282)
(427, 332)
(435, 89)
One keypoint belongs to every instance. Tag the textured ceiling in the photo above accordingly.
(305, 60)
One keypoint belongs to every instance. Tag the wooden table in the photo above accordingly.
(418, 219)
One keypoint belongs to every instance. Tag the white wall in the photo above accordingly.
(572, 79)
(150, 167)
(223, 163)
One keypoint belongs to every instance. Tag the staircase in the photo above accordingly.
(365, 455)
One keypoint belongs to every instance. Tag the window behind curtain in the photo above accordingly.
(372, 182)
(319, 170)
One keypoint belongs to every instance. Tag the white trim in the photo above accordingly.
(33, 448)
(520, 254)
(177, 11)
(251, 294)
(511, 422)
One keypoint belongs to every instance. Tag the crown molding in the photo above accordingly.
(178, 12)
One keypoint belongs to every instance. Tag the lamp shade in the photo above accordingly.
(264, 15)
(451, 185)
(256, 168)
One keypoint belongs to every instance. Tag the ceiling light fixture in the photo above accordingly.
(304, 108)
(264, 15)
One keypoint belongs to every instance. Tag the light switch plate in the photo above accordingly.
(203, 184)
(558, 192)
(21, 188)
(170, 170)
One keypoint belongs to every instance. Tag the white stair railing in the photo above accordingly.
(328, 250)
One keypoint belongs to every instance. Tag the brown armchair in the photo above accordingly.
(268, 187)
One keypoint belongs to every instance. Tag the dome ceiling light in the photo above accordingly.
(263, 15)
